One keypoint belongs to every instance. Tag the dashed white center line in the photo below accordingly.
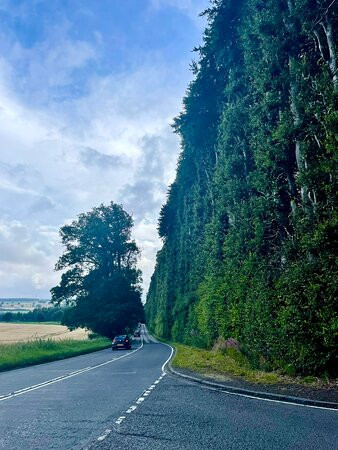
(137, 402)
(120, 420)
(131, 409)
(106, 434)
(140, 399)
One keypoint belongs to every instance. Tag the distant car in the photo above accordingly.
(137, 333)
(122, 341)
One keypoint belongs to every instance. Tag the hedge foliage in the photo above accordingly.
(250, 223)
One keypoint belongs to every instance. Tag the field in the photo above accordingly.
(11, 333)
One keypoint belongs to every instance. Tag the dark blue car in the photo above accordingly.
(122, 341)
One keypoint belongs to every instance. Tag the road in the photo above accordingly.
(122, 400)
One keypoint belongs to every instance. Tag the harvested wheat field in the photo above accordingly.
(23, 332)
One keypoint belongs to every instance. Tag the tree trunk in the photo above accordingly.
(296, 110)
(328, 30)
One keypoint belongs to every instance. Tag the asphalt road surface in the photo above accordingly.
(122, 400)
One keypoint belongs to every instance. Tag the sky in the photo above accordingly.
(88, 90)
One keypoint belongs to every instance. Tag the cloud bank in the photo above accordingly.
(80, 126)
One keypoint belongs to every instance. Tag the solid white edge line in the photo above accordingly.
(194, 379)
(63, 377)
(163, 343)
(44, 383)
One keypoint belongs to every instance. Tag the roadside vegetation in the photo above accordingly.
(17, 355)
(250, 223)
(223, 364)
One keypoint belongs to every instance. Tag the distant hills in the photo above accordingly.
(23, 300)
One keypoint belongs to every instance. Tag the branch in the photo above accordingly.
(325, 13)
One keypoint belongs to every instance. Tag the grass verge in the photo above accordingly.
(17, 355)
(221, 366)
(207, 362)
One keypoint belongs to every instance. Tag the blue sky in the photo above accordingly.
(88, 89)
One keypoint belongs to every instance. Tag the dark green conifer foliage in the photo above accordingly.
(250, 223)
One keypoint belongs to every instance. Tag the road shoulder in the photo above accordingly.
(321, 398)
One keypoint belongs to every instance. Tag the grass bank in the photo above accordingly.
(24, 354)
(208, 362)
(232, 363)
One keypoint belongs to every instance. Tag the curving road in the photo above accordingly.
(123, 400)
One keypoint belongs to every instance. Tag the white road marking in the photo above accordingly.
(281, 401)
(120, 420)
(106, 434)
(63, 377)
(131, 409)
(147, 391)
(188, 377)
(147, 339)
(192, 380)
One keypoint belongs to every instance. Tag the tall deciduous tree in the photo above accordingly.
(101, 282)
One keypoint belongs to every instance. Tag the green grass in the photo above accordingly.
(221, 366)
(208, 362)
(24, 354)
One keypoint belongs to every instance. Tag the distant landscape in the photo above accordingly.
(21, 304)
(31, 332)
(42, 321)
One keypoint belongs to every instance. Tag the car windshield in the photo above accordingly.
(120, 338)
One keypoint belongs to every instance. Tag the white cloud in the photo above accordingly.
(63, 152)
(27, 259)
(49, 68)
(46, 176)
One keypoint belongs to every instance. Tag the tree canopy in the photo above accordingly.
(250, 221)
(100, 283)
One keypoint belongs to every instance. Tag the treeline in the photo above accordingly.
(54, 314)
(250, 222)
(22, 300)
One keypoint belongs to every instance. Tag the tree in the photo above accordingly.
(57, 316)
(101, 282)
(7, 317)
(40, 317)
(250, 221)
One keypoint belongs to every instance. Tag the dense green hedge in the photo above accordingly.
(250, 222)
